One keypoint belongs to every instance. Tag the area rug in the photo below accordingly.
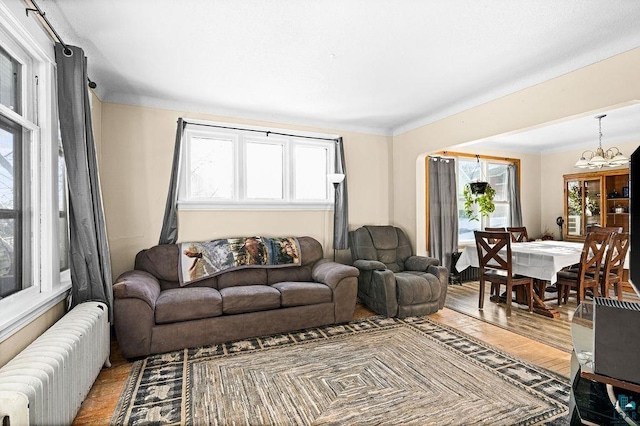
(381, 371)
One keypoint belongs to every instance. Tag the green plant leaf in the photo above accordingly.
(484, 201)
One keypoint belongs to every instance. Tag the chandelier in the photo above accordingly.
(599, 158)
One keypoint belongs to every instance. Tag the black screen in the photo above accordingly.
(634, 213)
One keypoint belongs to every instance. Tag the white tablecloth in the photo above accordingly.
(536, 259)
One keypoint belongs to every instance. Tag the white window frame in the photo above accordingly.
(254, 134)
(39, 116)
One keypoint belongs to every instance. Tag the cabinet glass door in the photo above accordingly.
(574, 208)
(591, 203)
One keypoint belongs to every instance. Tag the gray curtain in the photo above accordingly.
(341, 208)
(89, 249)
(169, 231)
(515, 211)
(443, 209)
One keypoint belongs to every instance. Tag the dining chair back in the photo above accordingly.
(495, 265)
(518, 234)
(495, 229)
(613, 264)
(587, 275)
(597, 228)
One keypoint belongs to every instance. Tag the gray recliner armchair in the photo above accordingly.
(392, 281)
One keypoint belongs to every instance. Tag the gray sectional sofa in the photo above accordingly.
(154, 314)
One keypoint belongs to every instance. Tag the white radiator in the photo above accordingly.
(46, 383)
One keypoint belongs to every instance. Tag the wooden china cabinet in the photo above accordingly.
(595, 199)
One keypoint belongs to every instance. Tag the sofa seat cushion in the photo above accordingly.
(183, 304)
(303, 293)
(249, 298)
(415, 288)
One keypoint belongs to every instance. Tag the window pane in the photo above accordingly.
(264, 167)
(9, 265)
(500, 217)
(497, 178)
(211, 168)
(9, 81)
(7, 155)
(11, 220)
(310, 173)
(63, 233)
(468, 171)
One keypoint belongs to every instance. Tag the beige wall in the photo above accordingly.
(20, 340)
(136, 154)
(597, 87)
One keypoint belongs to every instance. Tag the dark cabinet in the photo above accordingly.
(595, 199)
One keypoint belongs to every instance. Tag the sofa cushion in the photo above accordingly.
(310, 250)
(183, 304)
(415, 288)
(303, 293)
(250, 276)
(249, 298)
(278, 275)
(160, 261)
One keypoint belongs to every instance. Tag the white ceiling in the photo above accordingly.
(381, 66)
(619, 125)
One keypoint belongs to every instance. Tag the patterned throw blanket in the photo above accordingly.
(207, 259)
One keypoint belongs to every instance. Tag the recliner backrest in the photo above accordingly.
(386, 244)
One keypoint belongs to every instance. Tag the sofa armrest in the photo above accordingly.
(420, 263)
(331, 273)
(134, 304)
(369, 265)
(139, 285)
(442, 273)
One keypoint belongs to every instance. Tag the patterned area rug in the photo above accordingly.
(372, 371)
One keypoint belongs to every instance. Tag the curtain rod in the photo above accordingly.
(267, 132)
(67, 51)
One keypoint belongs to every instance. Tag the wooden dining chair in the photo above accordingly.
(587, 274)
(495, 230)
(495, 264)
(597, 228)
(518, 234)
(613, 265)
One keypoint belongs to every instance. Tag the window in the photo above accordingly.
(14, 219)
(34, 241)
(248, 169)
(495, 173)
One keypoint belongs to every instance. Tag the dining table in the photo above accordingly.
(540, 260)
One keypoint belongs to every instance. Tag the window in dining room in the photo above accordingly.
(469, 169)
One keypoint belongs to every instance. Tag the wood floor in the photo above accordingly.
(103, 397)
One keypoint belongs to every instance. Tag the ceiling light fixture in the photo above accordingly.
(599, 158)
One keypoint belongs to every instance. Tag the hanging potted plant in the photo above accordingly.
(478, 187)
(483, 200)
